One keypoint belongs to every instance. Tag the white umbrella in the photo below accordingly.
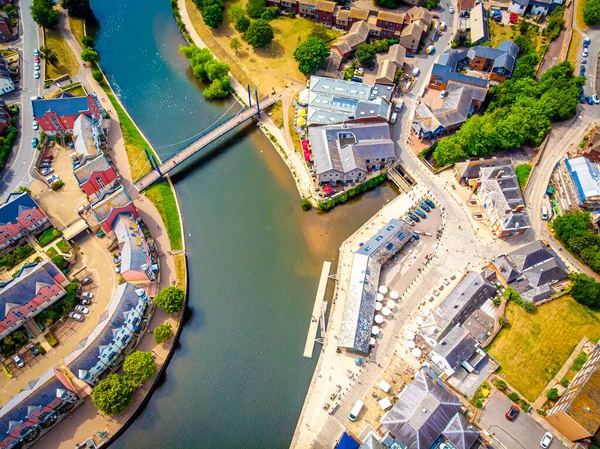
(380, 296)
(394, 294)
(375, 330)
(411, 344)
(416, 352)
(419, 320)
(383, 289)
(390, 303)
(378, 306)
(378, 319)
(372, 341)
(409, 335)
(386, 311)
(414, 327)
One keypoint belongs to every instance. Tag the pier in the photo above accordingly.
(318, 313)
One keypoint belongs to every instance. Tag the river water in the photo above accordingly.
(239, 378)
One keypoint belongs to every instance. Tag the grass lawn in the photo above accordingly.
(523, 171)
(500, 32)
(579, 4)
(574, 48)
(295, 135)
(67, 62)
(534, 347)
(163, 198)
(180, 271)
(77, 29)
(276, 113)
(269, 69)
(76, 89)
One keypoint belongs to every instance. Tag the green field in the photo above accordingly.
(533, 348)
(67, 62)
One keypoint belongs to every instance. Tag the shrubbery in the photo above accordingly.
(351, 193)
(574, 230)
(206, 68)
(16, 256)
(48, 236)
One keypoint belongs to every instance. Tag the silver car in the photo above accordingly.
(75, 316)
(82, 309)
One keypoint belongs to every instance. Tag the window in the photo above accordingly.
(99, 182)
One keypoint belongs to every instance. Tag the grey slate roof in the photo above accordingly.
(97, 164)
(456, 347)
(461, 433)
(108, 201)
(505, 268)
(131, 239)
(529, 255)
(372, 443)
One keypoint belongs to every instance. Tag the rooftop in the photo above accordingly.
(98, 164)
(108, 201)
(586, 177)
(14, 204)
(60, 106)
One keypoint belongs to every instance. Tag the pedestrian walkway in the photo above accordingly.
(318, 312)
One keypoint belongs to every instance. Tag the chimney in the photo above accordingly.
(500, 174)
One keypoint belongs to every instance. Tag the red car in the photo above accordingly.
(512, 413)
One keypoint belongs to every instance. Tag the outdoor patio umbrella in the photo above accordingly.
(375, 330)
(372, 341)
(380, 297)
(383, 289)
(378, 306)
(411, 344)
(378, 319)
(416, 352)
(419, 320)
(409, 335)
(386, 311)
(394, 294)
(414, 327)
(390, 303)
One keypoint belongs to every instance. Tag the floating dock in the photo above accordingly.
(317, 313)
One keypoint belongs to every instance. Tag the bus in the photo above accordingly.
(356, 410)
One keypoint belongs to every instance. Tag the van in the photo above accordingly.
(356, 410)
(544, 213)
(394, 118)
(430, 50)
(416, 71)
(398, 104)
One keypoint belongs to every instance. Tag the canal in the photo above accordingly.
(239, 378)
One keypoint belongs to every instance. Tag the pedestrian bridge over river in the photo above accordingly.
(217, 130)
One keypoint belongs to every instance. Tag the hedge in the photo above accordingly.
(351, 193)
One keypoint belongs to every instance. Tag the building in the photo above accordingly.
(421, 16)
(58, 115)
(20, 215)
(467, 171)
(498, 62)
(346, 18)
(427, 416)
(591, 150)
(464, 7)
(390, 24)
(359, 309)
(447, 69)
(35, 288)
(136, 262)
(346, 45)
(470, 294)
(500, 197)
(479, 25)
(126, 314)
(531, 270)
(87, 136)
(334, 101)
(5, 118)
(453, 351)
(6, 82)
(386, 72)
(577, 413)
(284, 5)
(110, 204)
(459, 103)
(324, 12)
(348, 153)
(410, 38)
(533, 7)
(6, 32)
(95, 175)
(586, 179)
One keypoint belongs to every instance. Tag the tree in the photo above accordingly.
(260, 33)
(90, 55)
(235, 44)
(234, 12)
(60, 262)
(216, 70)
(365, 54)
(48, 55)
(88, 41)
(163, 333)
(526, 66)
(113, 394)
(591, 12)
(255, 8)
(206, 68)
(98, 75)
(213, 16)
(270, 13)
(430, 4)
(552, 394)
(585, 290)
(43, 13)
(139, 366)
(78, 8)
(320, 31)
(216, 89)
(170, 299)
(242, 24)
(311, 55)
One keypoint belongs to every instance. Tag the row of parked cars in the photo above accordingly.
(47, 170)
(84, 299)
(417, 213)
(590, 99)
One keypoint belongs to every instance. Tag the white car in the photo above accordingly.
(451, 10)
(82, 309)
(36, 66)
(36, 52)
(87, 295)
(595, 99)
(75, 316)
(36, 126)
(546, 440)
(442, 94)
(36, 75)
(46, 171)
(18, 361)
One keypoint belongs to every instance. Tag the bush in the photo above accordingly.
(98, 75)
(170, 299)
(564, 382)
(523, 171)
(57, 185)
(306, 204)
(523, 405)
(60, 262)
(40, 348)
(206, 68)
(242, 24)
(497, 301)
(48, 236)
(552, 394)
(63, 245)
(16, 256)
(500, 384)
(270, 13)
(511, 295)
(351, 193)
(365, 54)
(591, 12)
(163, 333)
(579, 361)
(51, 339)
(513, 397)
(51, 252)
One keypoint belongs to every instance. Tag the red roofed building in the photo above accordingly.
(110, 204)
(95, 175)
(19, 215)
(58, 115)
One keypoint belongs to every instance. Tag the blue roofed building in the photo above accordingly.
(359, 309)
(586, 181)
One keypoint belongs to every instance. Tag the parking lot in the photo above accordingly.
(522, 433)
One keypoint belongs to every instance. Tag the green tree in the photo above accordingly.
(555, 23)
(171, 299)
(163, 333)
(311, 55)
(242, 24)
(90, 55)
(113, 394)
(259, 34)
(526, 66)
(216, 70)
(216, 90)
(585, 290)
(430, 4)
(49, 55)
(235, 44)
(78, 8)
(365, 54)
(255, 8)
(60, 262)
(234, 12)
(320, 31)
(98, 75)
(43, 13)
(213, 16)
(270, 13)
(552, 394)
(139, 366)
(591, 12)
(88, 41)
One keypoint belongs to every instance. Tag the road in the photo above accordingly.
(523, 433)
(17, 172)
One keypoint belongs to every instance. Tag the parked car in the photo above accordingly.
(48, 156)
(582, 69)
(425, 207)
(87, 295)
(118, 269)
(585, 52)
(36, 75)
(34, 142)
(82, 309)
(589, 100)
(86, 281)
(359, 71)
(34, 350)
(18, 361)
(430, 203)
(36, 59)
(414, 217)
(596, 99)
(408, 221)
(117, 259)
(371, 65)
(46, 171)
(85, 302)
(546, 440)
(71, 145)
(356, 79)
(75, 316)
(451, 10)
(36, 66)
(52, 179)
(394, 117)
(581, 98)
(420, 213)
(512, 413)
(36, 52)
(45, 165)
(584, 61)
(36, 126)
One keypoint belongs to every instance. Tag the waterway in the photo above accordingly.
(239, 378)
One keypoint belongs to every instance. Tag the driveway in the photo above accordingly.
(523, 433)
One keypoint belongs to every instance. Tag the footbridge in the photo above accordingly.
(208, 136)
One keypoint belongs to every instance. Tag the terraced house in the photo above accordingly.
(20, 215)
(95, 176)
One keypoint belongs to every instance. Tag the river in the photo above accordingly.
(239, 378)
